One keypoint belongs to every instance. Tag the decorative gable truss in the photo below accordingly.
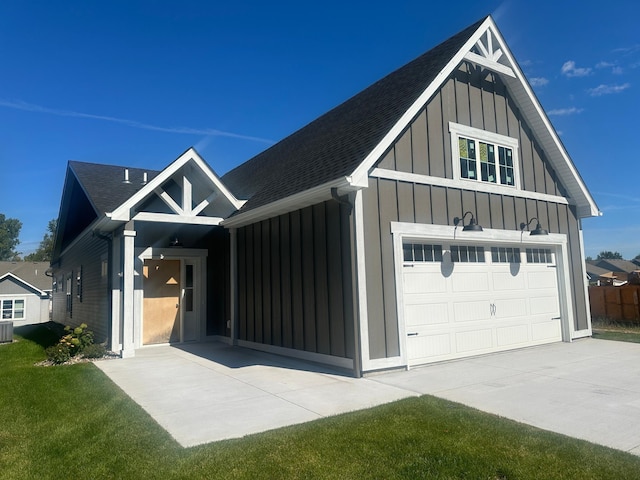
(487, 53)
(186, 192)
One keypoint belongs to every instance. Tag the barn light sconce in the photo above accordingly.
(472, 226)
(175, 242)
(538, 230)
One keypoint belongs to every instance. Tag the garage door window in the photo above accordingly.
(505, 255)
(539, 255)
(418, 252)
(465, 254)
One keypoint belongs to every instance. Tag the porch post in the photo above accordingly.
(233, 279)
(129, 235)
(115, 270)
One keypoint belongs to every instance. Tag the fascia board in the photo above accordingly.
(360, 174)
(523, 92)
(288, 204)
(237, 204)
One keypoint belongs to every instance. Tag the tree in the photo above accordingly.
(607, 255)
(9, 233)
(45, 250)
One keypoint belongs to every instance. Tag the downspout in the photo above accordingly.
(109, 240)
(357, 363)
(341, 200)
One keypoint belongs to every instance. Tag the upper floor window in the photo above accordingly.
(484, 156)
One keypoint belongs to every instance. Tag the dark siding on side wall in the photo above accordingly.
(93, 308)
(294, 281)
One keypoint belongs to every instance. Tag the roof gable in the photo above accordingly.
(342, 146)
(187, 191)
(30, 275)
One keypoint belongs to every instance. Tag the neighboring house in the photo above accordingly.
(25, 292)
(620, 269)
(595, 274)
(341, 243)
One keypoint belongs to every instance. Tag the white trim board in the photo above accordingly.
(340, 362)
(466, 185)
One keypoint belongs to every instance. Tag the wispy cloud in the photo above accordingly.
(538, 81)
(607, 89)
(615, 69)
(30, 107)
(570, 70)
(628, 50)
(565, 111)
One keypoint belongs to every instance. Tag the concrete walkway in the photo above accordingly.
(206, 392)
(589, 389)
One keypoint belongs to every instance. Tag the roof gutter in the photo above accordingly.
(326, 191)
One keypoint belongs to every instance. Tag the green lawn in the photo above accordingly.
(72, 422)
(622, 332)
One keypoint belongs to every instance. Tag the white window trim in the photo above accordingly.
(457, 130)
(13, 299)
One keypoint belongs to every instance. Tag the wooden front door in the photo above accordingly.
(161, 320)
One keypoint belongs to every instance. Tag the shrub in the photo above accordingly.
(59, 353)
(78, 338)
(95, 350)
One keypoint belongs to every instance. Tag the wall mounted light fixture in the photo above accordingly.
(175, 242)
(472, 226)
(538, 230)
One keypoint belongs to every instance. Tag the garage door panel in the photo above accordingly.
(546, 330)
(416, 281)
(506, 281)
(466, 282)
(542, 279)
(512, 335)
(426, 314)
(471, 311)
(473, 340)
(544, 305)
(510, 308)
(422, 347)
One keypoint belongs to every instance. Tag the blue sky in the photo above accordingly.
(138, 82)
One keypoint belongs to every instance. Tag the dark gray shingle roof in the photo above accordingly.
(333, 145)
(104, 185)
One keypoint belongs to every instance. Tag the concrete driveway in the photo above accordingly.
(589, 389)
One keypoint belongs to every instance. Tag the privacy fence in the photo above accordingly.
(616, 303)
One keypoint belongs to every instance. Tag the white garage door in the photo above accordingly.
(467, 300)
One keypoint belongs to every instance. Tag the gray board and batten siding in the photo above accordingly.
(480, 101)
(295, 281)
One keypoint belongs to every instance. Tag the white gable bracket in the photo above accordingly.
(490, 64)
(166, 198)
(204, 204)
